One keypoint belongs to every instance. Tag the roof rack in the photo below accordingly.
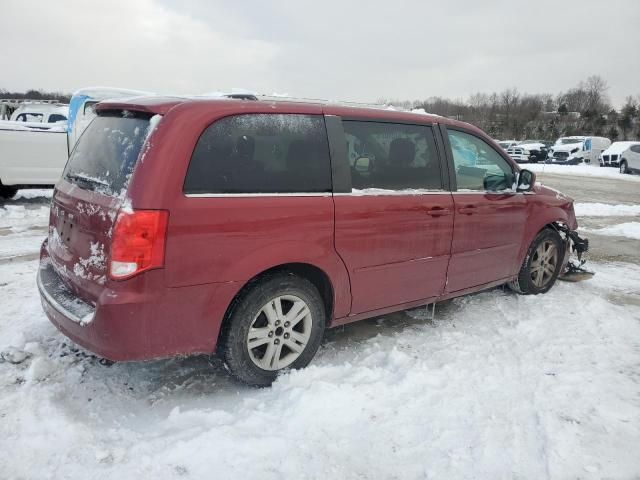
(242, 96)
(320, 101)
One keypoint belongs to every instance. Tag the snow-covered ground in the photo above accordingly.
(628, 229)
(606, 210)
(499, 386)
(583, 170)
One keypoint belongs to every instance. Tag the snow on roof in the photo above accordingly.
(103, 93)
(618, 147)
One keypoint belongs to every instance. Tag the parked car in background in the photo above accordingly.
(529, 151)
(269, 220)
(630, 159)
(577, 149)
(506, 144)
(42, 113)
(612, 155)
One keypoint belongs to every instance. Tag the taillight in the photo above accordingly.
(137, 242)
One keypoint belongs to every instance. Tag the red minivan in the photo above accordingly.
(247, 226)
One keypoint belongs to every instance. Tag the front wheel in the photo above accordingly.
(541, 265)
(623, 167)
(276, 325)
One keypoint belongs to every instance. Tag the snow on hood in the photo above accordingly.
(617, 148)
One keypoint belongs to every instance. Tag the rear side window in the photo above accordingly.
(392, 156)
(261, 153)
(107, 151)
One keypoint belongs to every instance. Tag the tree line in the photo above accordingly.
(582, 110)
(35, 95)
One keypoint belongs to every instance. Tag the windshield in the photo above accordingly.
(566, 141)
(105, 155)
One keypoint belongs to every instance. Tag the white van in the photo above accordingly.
(577, 149)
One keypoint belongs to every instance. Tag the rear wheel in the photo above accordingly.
(623, 166)
(276, 325)
(8, 192)
(542, 264)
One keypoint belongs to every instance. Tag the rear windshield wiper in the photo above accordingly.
(86, 179)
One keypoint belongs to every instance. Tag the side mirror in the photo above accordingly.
(362, 164)
(526, 181)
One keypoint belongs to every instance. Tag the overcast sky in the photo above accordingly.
(335, 49)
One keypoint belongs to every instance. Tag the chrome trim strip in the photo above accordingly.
(351, 194)
(390, 193)
(240, 195)
(59, 308)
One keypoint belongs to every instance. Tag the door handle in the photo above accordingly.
(468, 210)
(438, 212)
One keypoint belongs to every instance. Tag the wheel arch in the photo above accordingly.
(317, 276)
(552, 221)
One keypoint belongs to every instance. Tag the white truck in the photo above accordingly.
(35, 142)
(33, 147)
(577, 149)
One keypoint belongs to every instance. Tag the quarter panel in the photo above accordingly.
(233, 238)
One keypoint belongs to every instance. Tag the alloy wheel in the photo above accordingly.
(544, 263)
(279, 333)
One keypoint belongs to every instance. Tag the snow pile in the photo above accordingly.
(33, 193)
(605, 210)
(630, 230)
(499, 386)
(583, 170)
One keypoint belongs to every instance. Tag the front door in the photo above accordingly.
(489, 215)
(394, 229)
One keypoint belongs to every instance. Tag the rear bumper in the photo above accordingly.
(137, 319)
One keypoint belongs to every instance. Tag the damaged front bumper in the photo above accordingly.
(576, 248)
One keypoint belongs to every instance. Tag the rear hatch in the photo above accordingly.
(87, 199)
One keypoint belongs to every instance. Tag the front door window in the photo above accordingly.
(478, 166)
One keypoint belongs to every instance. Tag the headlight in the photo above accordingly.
(574, 150)
(525, 151)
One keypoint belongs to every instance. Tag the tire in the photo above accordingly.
(537, 275)
(8, 192)
(623, 167)
(262, 312)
